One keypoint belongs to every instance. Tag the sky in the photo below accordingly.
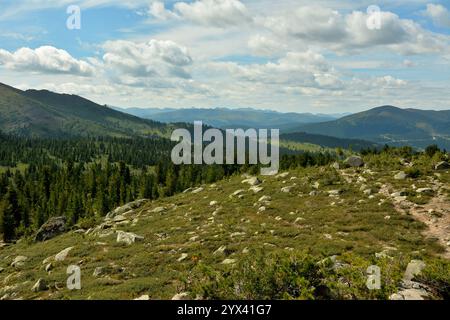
(318, 56)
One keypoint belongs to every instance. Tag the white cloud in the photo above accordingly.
(45, 59)
(217, 13)
(439, 14)
(155, 58)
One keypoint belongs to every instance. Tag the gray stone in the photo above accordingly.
(400, 176)
(41, 285)
(144, 297)
(19, 261)
(99, 271)
(444, 165)
(354, 161)
(63, 254)
(221, 250)
(253, 181)
(125, 208)
(128, 237)
(229, 261)
(49, 267)
(198, 190)
(181, 296)
(256, 189)
(413, 269)
(52, 228)
(158, 210)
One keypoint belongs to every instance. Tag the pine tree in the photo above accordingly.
(7, 225)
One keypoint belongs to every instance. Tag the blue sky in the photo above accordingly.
(285, 55)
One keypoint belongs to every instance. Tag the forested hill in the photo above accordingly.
(43, 113)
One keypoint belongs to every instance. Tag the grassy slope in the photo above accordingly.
(151, 266)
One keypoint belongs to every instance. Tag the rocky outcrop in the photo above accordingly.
(443, 165)
(128, 237)
(128, 207)
(52, 228)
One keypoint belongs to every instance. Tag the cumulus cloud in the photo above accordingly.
(155, 58)
(217, 13)
(439, 14)
(346, 33)
(45, 59)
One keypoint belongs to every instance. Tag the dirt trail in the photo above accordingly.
(435, 214)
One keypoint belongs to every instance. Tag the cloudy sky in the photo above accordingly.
(319, 56)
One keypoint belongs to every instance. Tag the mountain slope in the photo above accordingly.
(390, 125)
(231, 118)
(48, 114)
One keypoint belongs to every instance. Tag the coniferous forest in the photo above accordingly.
(85, 178)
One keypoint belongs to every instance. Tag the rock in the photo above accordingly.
(236, 193)
(367, 192)
(19, 261)
(213, 203)
(128, 237)
(413, 269)
(316, 185)
(265, 198)
(334, 193)
(143, 297)
(354, 161)
(1, 269)
(253, 181)
(229, 261)
(287, 189)
(256, 189)
(125, 208)
(63, 254)
(410, 294)
(313, 193)
(158, 210)
(183, 257)
(262, 209)
(444, 165)
(198, 190)
(282, 175)
(120, 218)
(99, 271)
(336, 166)
(181, 296)
(221, 250)
(400, 176)
(49, 267)
(428, 191)
(41, 285)
(52, 228)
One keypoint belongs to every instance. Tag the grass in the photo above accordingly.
(294, 225)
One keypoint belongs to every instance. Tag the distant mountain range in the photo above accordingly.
(389, 125)
(225, 118)
(48, 114)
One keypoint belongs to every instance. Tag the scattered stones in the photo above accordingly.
(63, 254)
(128, 237)
(183, 257)
(52, 228)
(400, 176)
(40, 285)
(253, 181)
(19, 261)
(444, 165)
(354, 161)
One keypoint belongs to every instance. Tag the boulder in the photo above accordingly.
(265, 198)
(158, 210)
(443, 165)
(256, 189)
(354, 161)
(63, 254)
(52, 228)
(40, 285)
(128, 237)
(125, 208)
(221, 250)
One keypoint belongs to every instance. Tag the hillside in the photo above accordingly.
(326, 141)
(48, 114)
(391, 125)
(231, 118)
(307, 233)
